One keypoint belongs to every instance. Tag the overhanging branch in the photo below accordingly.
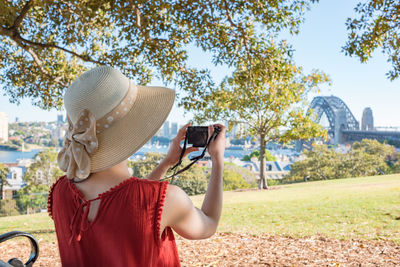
(14, 34)
(22, 15)
(38, 62)
(42, 45)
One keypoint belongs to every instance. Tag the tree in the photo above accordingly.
(193, 182)
(143, 167)
(44, 170)
(365, 158)
(321, 163)
(233, 180)
(8, 207)
(396, 164)
(377, 27)
(268, 156)
(266, 92)
(45, 44)
(374, 147)
(40, 175)
(3, 178)
(248, 176)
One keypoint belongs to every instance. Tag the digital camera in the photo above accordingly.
(198, 135)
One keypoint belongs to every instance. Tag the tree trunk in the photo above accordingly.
(262, 163)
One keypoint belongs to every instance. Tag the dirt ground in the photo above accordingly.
(227, 249)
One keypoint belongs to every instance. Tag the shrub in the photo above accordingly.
(32, 200)
(233, 180)
(267, 155)
(248, 176)
(365, 158)
(192, 185)
(8, 207)
(193, 181)
(272, 182)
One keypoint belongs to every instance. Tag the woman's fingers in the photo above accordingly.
(181, 133)
(222, 129)
(182, 130)
(210, 131)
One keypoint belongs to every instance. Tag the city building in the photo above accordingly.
(273, 169)
(60, 119)
(166, 129)
(367, 121)
(3, 127)
(26, 162)
(174, 129)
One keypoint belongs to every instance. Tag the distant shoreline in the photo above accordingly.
(27, 148)
(9, 148)
(12, 156)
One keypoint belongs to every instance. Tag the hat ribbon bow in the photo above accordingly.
(80, 142)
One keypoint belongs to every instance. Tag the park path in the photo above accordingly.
(233, 249)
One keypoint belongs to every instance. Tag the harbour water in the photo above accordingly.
(13, 156)
(236, 153)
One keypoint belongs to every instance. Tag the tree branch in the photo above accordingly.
(14, 34)
(22, 15)
(83, 57)
(229, 17)
(244, 37)
(38, 62)
(4, 31)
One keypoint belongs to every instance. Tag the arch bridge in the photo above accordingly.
(343, 126)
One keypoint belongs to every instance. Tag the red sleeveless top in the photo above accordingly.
(125, 231)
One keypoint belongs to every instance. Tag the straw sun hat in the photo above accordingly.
(109, 119)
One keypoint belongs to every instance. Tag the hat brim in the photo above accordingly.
(127, 135)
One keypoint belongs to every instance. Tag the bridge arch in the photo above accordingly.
(335, 110)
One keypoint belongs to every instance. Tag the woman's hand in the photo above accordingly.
(175, 149)
(216, 149)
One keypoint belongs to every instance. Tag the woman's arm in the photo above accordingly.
(159, 172)
(179, 211)
(172, 156)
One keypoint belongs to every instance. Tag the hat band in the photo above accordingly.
(119, 111)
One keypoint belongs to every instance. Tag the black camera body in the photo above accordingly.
(198, 135)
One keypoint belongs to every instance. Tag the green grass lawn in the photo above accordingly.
(365, 208)
(361, 208)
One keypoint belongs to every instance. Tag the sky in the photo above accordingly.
(317, 46)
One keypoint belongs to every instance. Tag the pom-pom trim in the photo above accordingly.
(163, 192)
(50, 197)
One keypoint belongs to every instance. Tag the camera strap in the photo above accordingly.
(194, 159)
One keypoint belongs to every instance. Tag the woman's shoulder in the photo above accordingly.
(153, 185)
(60, 181)
(146, 181)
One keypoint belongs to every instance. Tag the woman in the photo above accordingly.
(105, 217)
